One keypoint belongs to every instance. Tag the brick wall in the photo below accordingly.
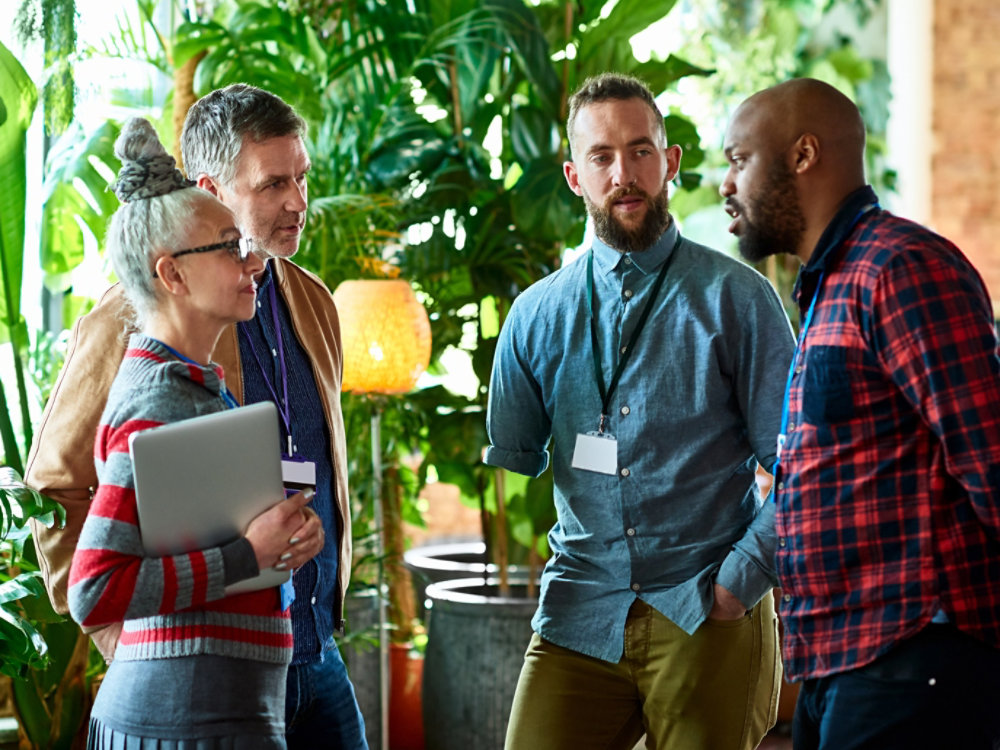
(965, 199)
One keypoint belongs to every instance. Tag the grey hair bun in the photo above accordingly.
(147, 169)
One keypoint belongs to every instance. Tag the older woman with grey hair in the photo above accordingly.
(194, 668)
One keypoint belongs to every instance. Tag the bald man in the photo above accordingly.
(888, 479)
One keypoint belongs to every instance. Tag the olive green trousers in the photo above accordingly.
(714, 690)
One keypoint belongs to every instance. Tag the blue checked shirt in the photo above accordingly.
(696, 409)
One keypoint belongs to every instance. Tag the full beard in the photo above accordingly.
(778, 222)
(630, 240)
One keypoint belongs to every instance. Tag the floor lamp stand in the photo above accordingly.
(383, 640)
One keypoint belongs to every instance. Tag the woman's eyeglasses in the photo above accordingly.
(239, 249)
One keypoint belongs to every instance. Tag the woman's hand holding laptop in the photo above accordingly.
(288, 534)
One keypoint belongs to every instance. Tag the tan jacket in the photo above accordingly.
(61, 462)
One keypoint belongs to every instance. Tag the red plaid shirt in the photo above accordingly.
(889, 479)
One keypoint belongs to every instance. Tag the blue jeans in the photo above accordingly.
(938, 689)
(321, 710)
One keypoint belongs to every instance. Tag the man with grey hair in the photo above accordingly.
(655, 367)
(246, 146)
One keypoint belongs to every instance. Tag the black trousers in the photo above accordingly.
(939, 690)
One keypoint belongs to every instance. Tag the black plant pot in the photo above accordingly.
(362, 660)
(476, 641)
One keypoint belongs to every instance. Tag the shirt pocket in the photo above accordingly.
(826, 391)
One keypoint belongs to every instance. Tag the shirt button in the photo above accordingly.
(781, 542)
(635, 586)
(787, 597)
(622, 350)
(625, 410)
(274, 352)
(313, 600)
(791, 426)
(630, 532)
(798, 369)
(628, 261)
(781, 485)
(628, 294)
(625, 472)
(258, 303)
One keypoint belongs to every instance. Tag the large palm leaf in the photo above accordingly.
(18, 97)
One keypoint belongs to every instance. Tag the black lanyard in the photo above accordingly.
(606, 394)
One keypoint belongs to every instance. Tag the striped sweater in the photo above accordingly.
(174, 605)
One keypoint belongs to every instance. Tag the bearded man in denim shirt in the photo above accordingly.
(655, 366)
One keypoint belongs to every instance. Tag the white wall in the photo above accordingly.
(910, 141)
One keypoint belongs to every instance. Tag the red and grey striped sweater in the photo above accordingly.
(175, 605)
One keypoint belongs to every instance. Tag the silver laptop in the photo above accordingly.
(199, 482)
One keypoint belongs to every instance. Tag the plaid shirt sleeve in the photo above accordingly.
(933, 332)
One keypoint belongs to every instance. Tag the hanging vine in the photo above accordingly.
(54, 23)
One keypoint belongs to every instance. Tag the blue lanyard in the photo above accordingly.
(227, 397)
(791, 369)
(796, 356)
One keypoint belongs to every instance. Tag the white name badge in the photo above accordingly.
(298, 472)
(596, 452)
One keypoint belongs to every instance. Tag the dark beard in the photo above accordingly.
(614, 235)
(778, 222)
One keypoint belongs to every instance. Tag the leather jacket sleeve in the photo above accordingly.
(61, 460)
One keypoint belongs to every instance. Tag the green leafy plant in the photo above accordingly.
(21, 645)
(18, 97)
(45, 654)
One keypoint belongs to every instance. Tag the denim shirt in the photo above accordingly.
(697, 407)
(316, 581)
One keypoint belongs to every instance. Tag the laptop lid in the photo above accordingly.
(200, 481)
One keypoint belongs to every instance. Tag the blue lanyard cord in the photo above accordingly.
(598, 374)
(284, 409)
(799, 348)
(795, 359)
(226, 396)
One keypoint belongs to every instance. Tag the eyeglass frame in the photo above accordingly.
(239, 249)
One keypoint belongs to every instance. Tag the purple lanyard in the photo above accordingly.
(283, 407)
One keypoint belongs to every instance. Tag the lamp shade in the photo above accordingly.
(385, 333)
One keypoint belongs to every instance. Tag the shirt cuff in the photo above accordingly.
(744, 579)
(529, 463)
(239, 561)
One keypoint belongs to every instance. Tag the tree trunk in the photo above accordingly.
(184, 97)
(402, 603)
